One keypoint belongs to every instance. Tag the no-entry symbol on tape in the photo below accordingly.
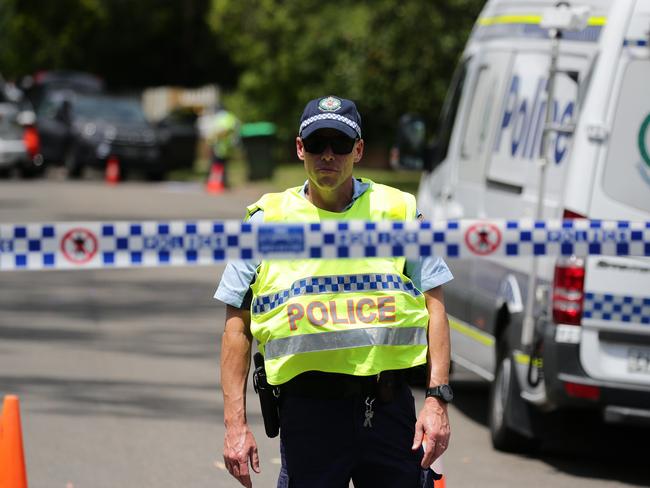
(483, 238)
(79, 245)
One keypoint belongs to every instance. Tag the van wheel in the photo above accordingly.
(504, 400)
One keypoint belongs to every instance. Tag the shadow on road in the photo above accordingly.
(118, 312)
(198, 402)
(576, 443)
(89, 295)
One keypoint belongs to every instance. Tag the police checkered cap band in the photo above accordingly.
(331, 116)
(330, 112)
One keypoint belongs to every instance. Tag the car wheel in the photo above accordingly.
(28, 171)
(156, 175)
(504, 399)
(72, 165)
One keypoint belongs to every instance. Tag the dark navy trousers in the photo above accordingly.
(324, 443)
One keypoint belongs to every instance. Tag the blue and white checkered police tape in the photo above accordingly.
(83, 245)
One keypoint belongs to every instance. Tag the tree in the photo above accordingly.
(391, 57)
(129, 44)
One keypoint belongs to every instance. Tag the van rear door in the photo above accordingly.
(615, 343)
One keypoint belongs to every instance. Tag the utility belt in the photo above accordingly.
(319, 385)
(331, 386)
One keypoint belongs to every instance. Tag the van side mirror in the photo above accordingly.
(410, 150)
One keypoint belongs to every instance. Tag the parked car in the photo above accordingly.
(19, 144)
(86, 129)
(38, 87)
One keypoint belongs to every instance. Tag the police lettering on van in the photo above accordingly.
(522, 122)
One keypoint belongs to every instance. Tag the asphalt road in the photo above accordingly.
(118, 377)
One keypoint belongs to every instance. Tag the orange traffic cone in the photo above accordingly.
(112, 175)
(438, 468)
(215, 179)
(12, 460)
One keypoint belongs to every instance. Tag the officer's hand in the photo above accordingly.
(432, 429)
(240, 448)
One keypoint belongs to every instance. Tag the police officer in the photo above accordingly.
(338, 335)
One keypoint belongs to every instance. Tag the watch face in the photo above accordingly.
(446, 393)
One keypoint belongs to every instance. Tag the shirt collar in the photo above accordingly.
(359, 189)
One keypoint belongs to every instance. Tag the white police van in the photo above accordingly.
(581, 337)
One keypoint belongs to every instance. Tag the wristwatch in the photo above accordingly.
(444, 392)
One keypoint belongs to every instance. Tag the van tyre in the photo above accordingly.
(504, 400)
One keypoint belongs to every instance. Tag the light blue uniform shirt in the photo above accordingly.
(426, 273)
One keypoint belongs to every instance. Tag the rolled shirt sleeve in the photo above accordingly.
(238, 276)
(427, 272)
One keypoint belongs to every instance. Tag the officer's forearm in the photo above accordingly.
(439, 348)
(235, 362)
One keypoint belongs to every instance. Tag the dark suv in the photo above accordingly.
(86, 129)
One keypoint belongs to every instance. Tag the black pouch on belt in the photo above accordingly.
(387, 382)
(268, 397)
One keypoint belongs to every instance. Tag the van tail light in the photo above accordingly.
(568, 291)
(570, 215)
(576, 390)
(32, 141)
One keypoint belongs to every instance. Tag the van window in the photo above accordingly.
(627, 170)
(481, 114)
(449, 111)
(477, 128)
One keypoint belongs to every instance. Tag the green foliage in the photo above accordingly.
(131, 44)
(38, 34)
(391, 57)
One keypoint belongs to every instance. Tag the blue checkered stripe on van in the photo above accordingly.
(333, 284)
(617, 308)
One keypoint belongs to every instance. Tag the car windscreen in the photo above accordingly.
(108, 108)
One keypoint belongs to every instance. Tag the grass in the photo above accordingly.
(293, 174)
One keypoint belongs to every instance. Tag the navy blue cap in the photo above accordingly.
(330, 113)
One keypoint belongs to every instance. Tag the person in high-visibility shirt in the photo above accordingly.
(338, 335)
(223, 137)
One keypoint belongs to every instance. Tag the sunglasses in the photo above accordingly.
(339, 144)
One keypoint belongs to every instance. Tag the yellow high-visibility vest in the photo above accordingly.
(351, 316)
